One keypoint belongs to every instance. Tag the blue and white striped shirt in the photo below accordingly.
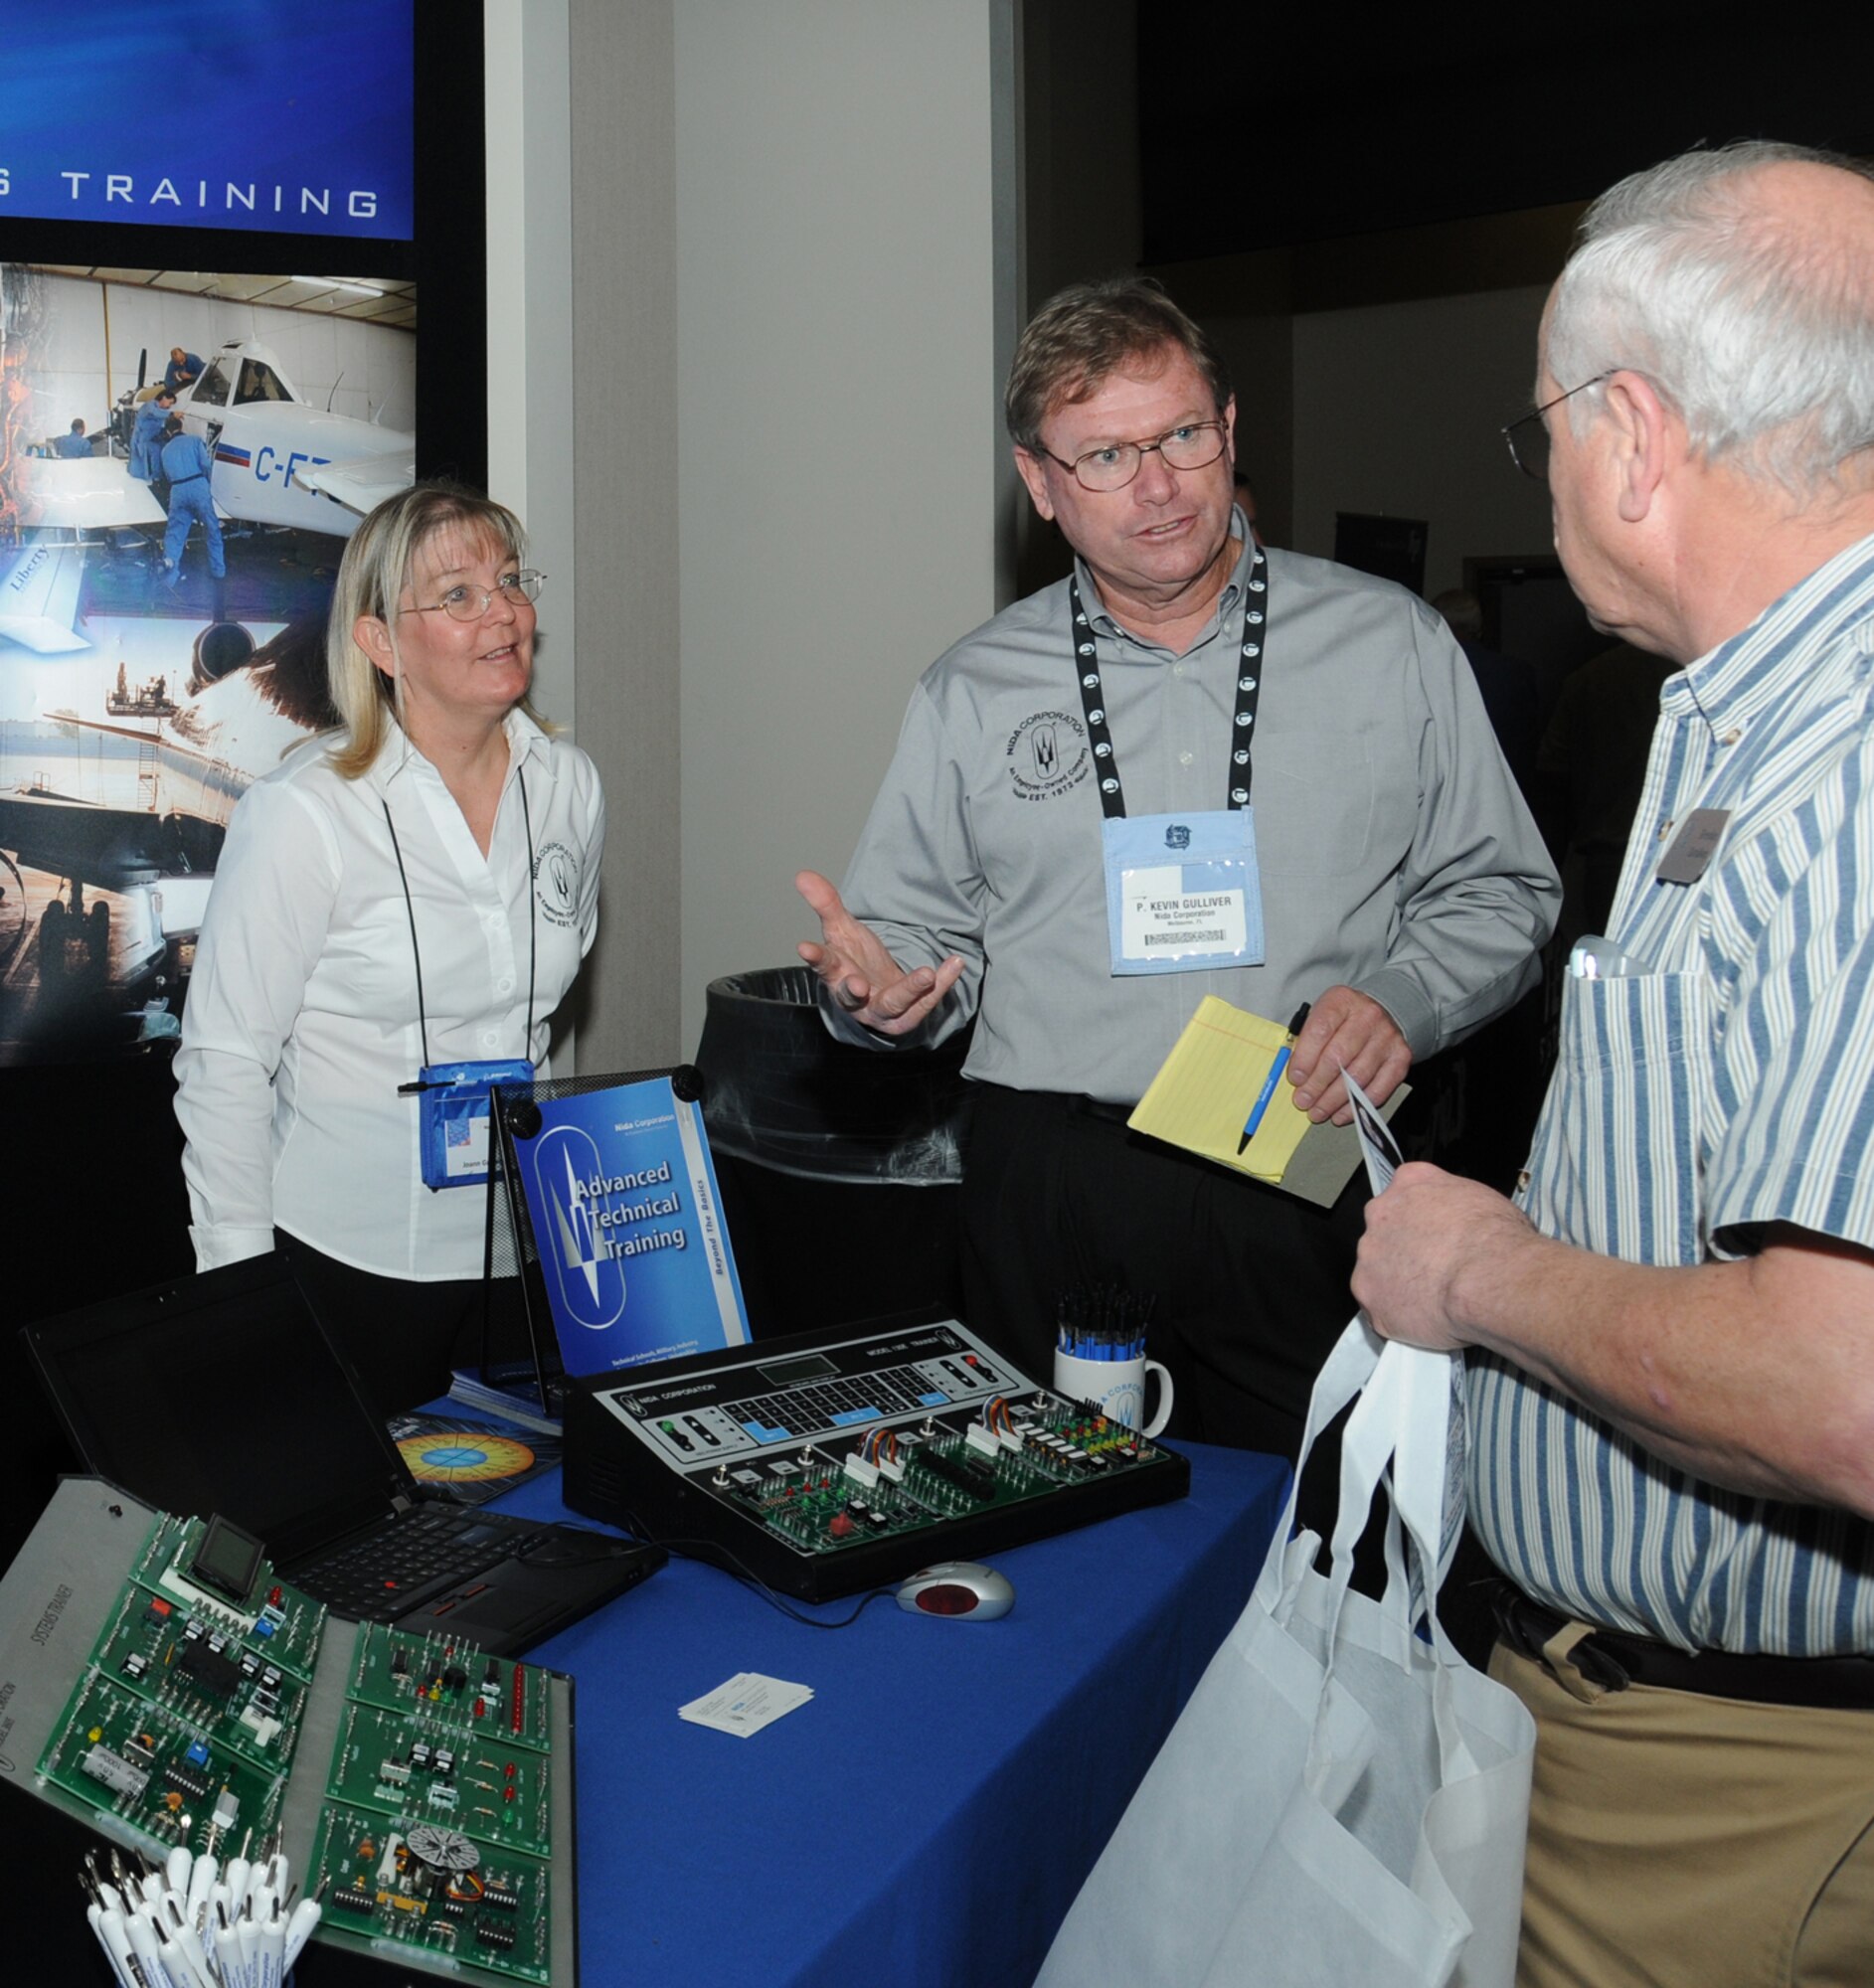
(1728, 1084)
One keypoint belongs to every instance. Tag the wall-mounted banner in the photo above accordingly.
(163, 606)
(271, 116)
(627, 1221)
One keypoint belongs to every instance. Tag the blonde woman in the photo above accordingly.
(414, 888)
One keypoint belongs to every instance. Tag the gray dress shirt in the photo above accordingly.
(1396, 853)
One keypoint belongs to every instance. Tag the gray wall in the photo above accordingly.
(800, 239)
(837, 451)
(622, 396)
(1396, 408)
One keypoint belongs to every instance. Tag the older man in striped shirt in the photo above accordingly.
(1671, 1332)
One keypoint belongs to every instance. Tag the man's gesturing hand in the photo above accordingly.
(863, 979)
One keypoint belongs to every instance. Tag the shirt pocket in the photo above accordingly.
(1323, 812)
(1618, 1161)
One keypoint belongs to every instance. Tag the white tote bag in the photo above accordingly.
(1342, 1804)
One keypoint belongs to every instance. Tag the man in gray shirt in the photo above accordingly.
(1404, 891)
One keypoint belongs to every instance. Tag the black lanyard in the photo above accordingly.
(1249, 689)
(533, 937)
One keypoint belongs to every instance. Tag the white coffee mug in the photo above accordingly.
(1116, 1388)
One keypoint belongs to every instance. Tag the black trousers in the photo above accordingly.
(401, 1336)
(1250, 1285)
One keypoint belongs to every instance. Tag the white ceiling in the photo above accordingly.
(366, 299)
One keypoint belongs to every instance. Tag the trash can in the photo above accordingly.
(840, 1167)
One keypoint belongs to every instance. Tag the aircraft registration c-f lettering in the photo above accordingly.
(284, 466)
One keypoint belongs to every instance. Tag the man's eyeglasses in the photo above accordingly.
(470, 603)
(1195, 445)
(1527, 436)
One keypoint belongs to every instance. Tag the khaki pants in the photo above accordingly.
(1678, 1841)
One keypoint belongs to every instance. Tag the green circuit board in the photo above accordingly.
(157, 1772)
(451, 1686)
(186, 1714)
(275, 1623)
(429, 1886)
(402, 1764)
(222, 1687)
(437, 1822)
(902, 1482)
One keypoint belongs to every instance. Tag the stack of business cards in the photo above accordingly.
(747, 1702)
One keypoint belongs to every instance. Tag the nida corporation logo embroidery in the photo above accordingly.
(1046, 755)
(557, 882)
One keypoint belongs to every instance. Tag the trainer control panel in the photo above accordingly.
(826, 1464)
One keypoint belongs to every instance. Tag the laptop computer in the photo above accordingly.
(224, 1393)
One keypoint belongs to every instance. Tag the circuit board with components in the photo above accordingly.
(449, 1684)
(433, 1889)
(176, 1696)
(167, 1779)
(186, 1663)
(497, 1793)
(828, 1500)
(182, 1725)
(827, 1463)
(275, 1621)
(438, 1828)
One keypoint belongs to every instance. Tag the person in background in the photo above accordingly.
(1246, 502)
(418, 886)
(72, 443)
(1589, 770)
(1671, 1333)
(183, 366)
(186, 464)
(1403, 890)
(1508, 687)
(146, 436)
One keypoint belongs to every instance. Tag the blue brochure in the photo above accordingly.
(628, 1220)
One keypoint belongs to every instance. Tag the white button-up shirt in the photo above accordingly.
(302, 1016)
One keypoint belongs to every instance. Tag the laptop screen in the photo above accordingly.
(220, 1392)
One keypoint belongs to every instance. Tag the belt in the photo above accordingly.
(1612, 1659)
(1066, 1103)
(1100, 1107)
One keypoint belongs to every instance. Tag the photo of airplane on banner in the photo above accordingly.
(150, 670)
(278, 459)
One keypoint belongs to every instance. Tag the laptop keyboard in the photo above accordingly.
(433, 1549)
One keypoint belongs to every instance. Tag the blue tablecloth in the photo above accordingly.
(931, 1814)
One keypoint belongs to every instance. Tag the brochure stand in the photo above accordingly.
(605, 1230)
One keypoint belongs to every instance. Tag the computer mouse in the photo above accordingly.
(962, 1590)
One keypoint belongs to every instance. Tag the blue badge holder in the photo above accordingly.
(452, 1128)
(1202, 860)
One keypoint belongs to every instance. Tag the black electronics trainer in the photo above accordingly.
(828, 1462)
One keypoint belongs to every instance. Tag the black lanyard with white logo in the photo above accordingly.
(1249, 689)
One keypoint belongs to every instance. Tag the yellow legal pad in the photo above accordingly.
(1205, 1088)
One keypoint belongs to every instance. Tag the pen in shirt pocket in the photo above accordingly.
(1596, 958)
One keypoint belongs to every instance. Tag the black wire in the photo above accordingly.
(397, 849)
(533, 926)
(533, 930)
(705, 1553)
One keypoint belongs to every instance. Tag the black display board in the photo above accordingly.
(94, 1201)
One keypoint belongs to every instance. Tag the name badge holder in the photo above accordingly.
(452, 1099)
(1183, 891)
(452, 1124)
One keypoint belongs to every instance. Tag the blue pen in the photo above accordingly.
(1269, 1082)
